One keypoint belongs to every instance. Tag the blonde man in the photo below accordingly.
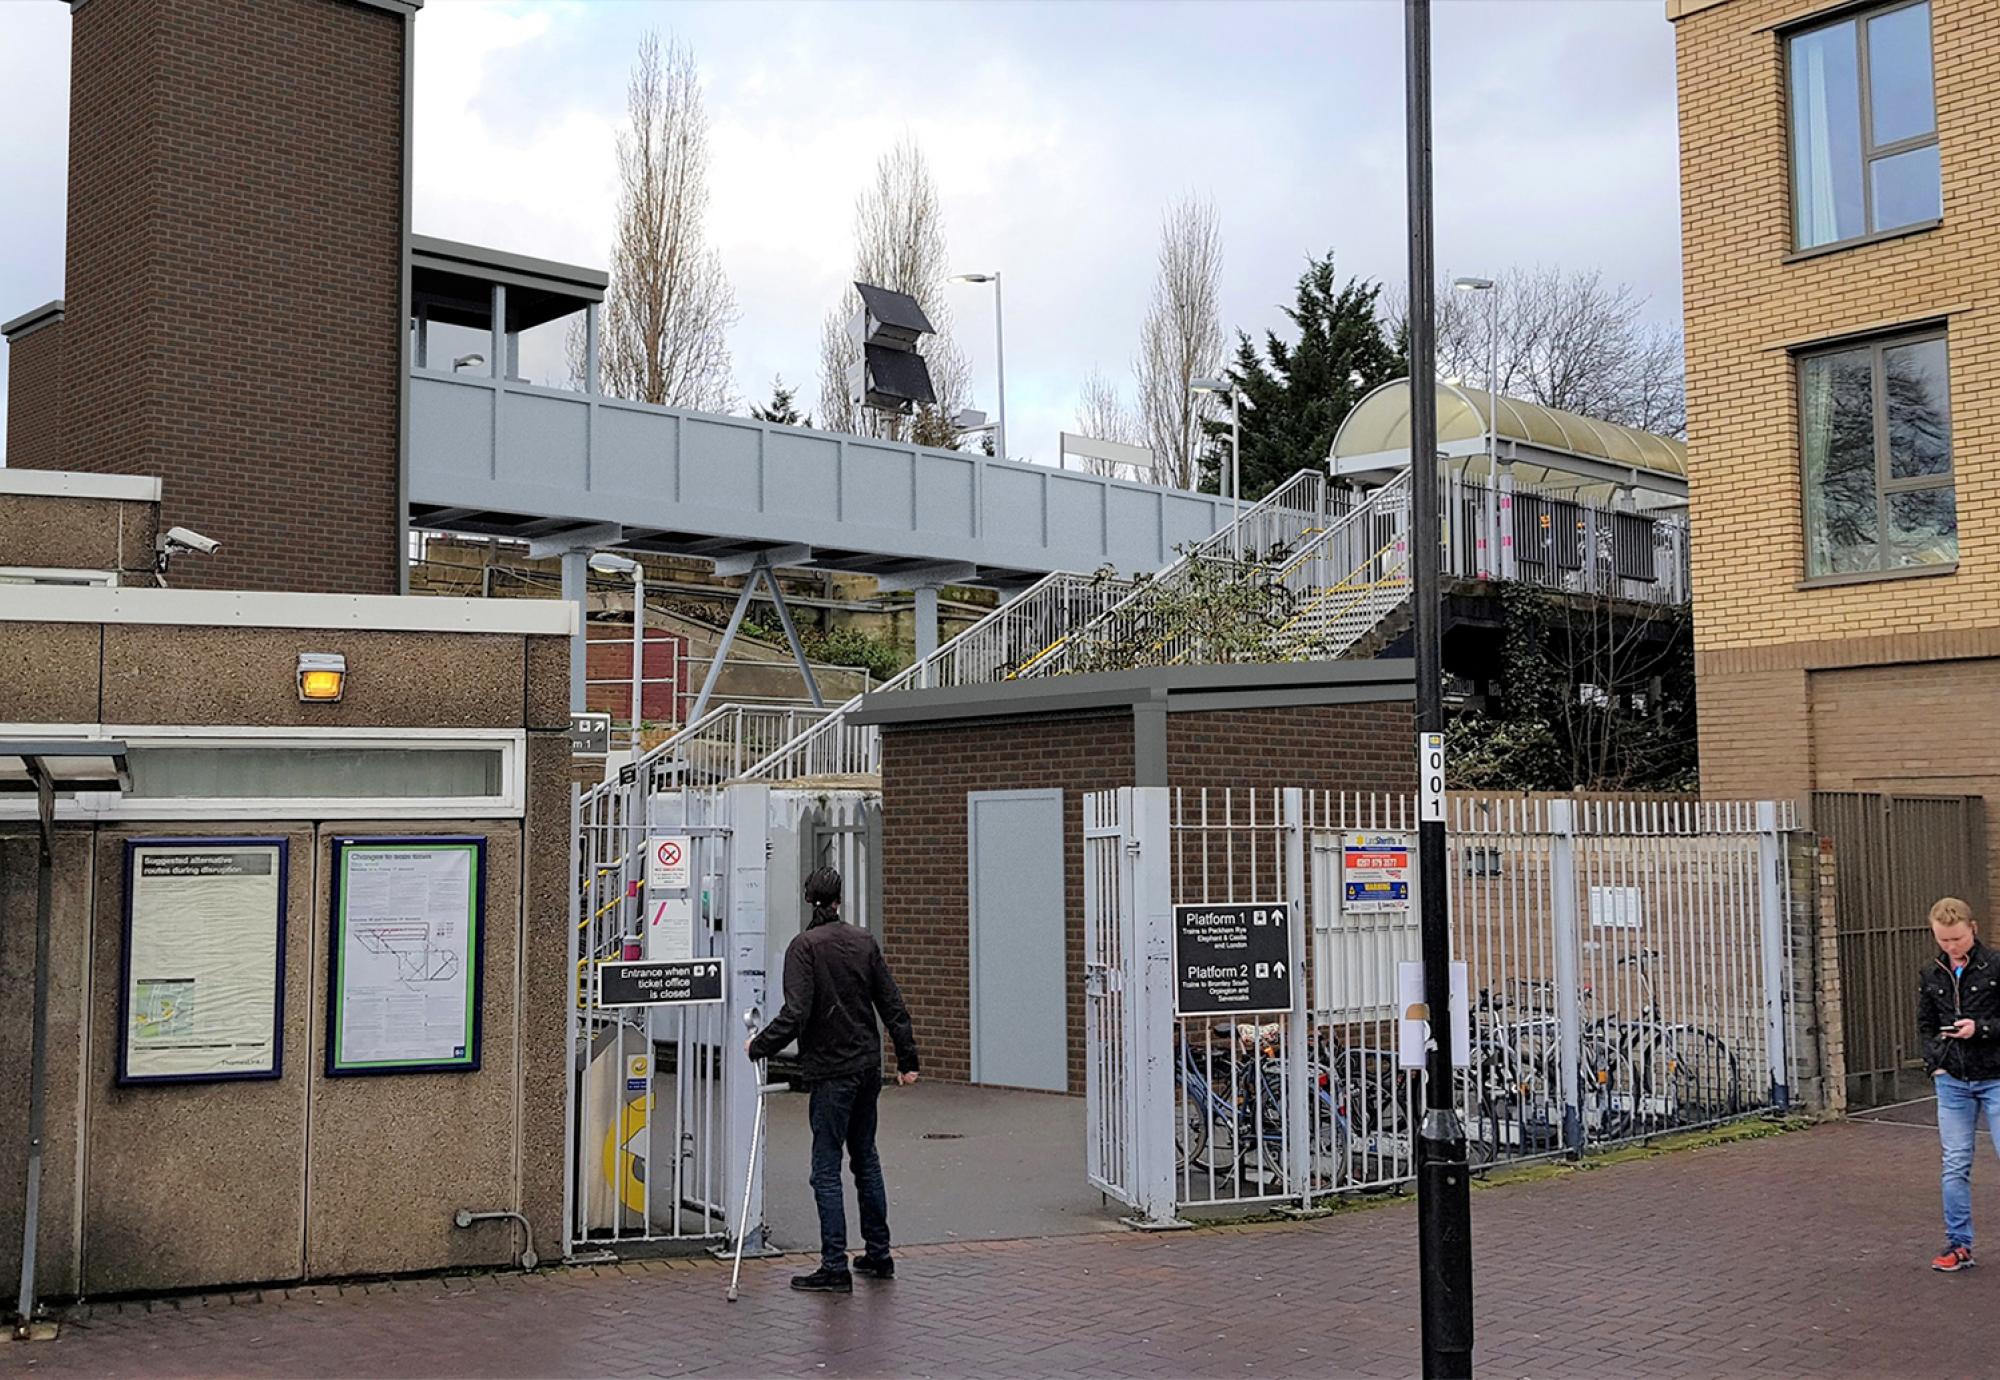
(1958, 1015)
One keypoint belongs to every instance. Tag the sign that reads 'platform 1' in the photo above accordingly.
(1233, 959)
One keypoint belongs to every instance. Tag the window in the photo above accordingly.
(1864, 129)
(1876, 423)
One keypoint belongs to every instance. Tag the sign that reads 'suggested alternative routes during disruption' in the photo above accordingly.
(1232, 959)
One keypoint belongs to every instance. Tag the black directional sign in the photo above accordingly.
(1232, 959)
(650, 982)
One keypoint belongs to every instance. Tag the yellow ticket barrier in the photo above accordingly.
(618, 1091)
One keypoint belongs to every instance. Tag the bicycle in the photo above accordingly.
(1687, 1075)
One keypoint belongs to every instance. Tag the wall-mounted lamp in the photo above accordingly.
(322, 676)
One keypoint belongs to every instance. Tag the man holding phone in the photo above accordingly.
(1958, 1015)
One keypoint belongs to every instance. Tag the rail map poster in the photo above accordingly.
(204, 959)
(408, 916)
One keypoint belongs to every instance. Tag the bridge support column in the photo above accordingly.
(575, 585)
(927, 621)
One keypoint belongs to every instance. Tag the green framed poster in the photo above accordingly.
(407, 970)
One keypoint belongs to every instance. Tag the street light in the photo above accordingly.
(604, 562)
(1485, 285)
(999, 356)
(1235, 455)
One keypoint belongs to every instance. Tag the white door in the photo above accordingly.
(1020, 1032)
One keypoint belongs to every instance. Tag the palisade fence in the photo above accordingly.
(1627, 963)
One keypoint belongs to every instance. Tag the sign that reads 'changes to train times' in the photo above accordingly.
(1233, 959)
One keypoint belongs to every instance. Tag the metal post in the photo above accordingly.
(590, 358)
(1000, 364)
(1492, 428)
(38, 1058)
(791, 631)
(572, 1013)
(722, 650)
(1236, 473)
(576, 589)
(638, 656)
(1771, 923)
(1569, 958)
(1444, 1196)
(1151, 1053)
(749, 989)
(497, 350)
(1298, 1025)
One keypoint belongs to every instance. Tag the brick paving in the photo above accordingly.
(1793, 1255)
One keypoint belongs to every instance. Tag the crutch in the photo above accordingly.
(749, 1174)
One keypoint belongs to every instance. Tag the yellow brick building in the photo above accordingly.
(1840, 185)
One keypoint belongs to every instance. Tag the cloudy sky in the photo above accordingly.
(1057, 133)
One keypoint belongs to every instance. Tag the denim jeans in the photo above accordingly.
(843, 1118)
(1959, 1105)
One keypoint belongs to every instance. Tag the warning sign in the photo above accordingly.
(669, 907)
(649, 983)
(667, 863)
(1375, 873)
(1232, 959)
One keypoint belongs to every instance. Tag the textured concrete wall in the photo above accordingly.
(1749, 302)
(69, 932)
(233, 277)
(49, 672)
(80, 534)
(34, 401)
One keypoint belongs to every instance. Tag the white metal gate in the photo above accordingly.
(662, 1099)
(1627, 961)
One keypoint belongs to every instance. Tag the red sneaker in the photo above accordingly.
(1954, 1258)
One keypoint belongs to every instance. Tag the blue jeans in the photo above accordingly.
(843, 1118)
(1959, 1105)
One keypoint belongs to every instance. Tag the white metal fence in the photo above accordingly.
(1627, 970)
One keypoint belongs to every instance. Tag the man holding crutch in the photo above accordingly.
(836, 980)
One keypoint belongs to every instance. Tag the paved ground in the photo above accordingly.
(963, 1163)
(1796, 1255)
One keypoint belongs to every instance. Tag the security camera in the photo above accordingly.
(179, 539)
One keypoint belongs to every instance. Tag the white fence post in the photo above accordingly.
(1569, 982)
(1152, 1053)
(1298, 1029)
(1771, 918)
(747, 816)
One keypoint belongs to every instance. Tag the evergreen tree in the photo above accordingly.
(781, 409)
(1297, 394)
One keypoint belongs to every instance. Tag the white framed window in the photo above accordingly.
(192, 773)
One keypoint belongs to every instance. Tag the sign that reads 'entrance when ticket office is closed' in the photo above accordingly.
(1233, 959)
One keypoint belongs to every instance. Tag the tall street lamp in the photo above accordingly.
(1489, 551)
(1235, 455)
(1444, 1190)
(999, 357)
(604, 562)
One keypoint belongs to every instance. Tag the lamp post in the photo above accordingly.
(1235, 455)
(1444, 1190)
(606, 563)
(1491, 545)
(999, 357)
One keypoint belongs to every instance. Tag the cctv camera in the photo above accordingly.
(180, 539)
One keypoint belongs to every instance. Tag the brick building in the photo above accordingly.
(982, 815)
(1840, 228)
(230, 321)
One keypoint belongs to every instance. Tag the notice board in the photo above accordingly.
(204, 958)
(409, 921)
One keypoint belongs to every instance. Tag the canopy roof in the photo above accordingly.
(1548, 448)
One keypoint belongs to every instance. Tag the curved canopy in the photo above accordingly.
(1548, 448)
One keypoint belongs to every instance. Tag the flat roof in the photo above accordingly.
(1183, 689)
(137, 488)
(497, 265)
(258, 609)
(47, 314)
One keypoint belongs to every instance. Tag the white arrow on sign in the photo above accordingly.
(1278, 968)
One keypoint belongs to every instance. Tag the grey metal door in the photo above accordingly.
(1020, 1030)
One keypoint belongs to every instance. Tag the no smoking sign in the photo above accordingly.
(667, 864)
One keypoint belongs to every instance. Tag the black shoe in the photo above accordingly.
(885, 1268)
(824, 1281)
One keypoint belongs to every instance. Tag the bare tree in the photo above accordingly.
(1568, 340)
(898, 244)
(663, 332)
(1181, 340)
(1103, 415)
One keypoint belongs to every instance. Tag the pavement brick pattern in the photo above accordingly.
(1794, 1255)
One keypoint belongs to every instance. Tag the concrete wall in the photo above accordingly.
(1761, 635)
(233, 277)
(158, 1187)
(66, 533)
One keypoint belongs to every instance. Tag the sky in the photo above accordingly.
(1057, 133)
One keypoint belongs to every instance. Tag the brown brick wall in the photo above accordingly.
(927, 772)
(233, 280)
(34, 400)
(1744, 306)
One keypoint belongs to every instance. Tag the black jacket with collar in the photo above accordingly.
(1944, 999)
(835, 981)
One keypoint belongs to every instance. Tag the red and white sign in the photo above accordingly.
(667, 864)
(669, 906)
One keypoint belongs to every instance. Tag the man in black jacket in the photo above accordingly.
(835, 981)
(1958, 1018)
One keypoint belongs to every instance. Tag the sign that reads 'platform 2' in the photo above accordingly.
(1232, 959)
